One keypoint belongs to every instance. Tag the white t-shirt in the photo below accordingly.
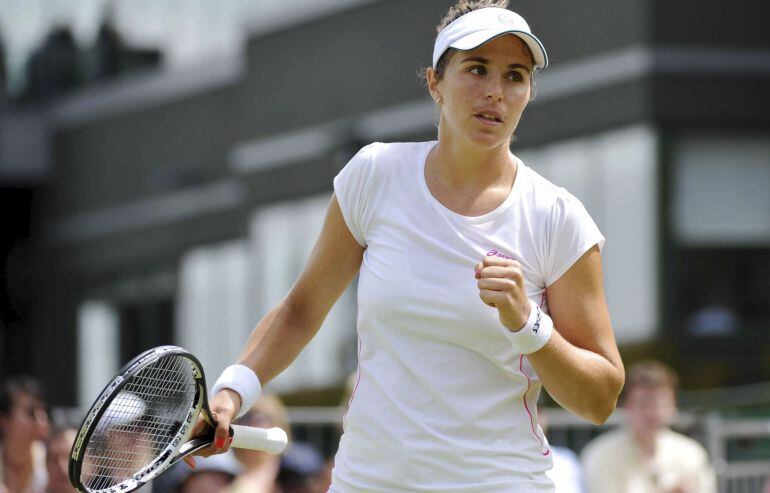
(444, 402)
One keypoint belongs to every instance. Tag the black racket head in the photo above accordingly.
(135, 428)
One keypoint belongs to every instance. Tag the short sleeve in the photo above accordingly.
(353, 189)
(571, 232)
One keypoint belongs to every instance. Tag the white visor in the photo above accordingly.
(476, 28)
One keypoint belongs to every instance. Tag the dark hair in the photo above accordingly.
(21, 384)
(466, 6)
(651, 373)
(461, 8)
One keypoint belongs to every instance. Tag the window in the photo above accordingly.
(721, 228)
(725, 291)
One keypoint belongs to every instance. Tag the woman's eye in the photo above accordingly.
(478, 70)
(516, 76)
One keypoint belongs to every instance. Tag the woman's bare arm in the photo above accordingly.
(580, 366)
(280, 336)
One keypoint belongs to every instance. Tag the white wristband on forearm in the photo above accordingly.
(242, 380)
(535, 333)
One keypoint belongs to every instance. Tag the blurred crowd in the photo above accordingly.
(34, 454)
(641, 456)
(58, 65)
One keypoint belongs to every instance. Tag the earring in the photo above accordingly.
(439, 100)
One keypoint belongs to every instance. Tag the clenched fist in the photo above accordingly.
(501, 285)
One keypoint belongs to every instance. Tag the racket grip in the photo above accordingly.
(272, 440)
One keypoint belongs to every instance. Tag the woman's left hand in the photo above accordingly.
(501, 286)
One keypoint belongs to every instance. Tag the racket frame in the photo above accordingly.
(176, 449)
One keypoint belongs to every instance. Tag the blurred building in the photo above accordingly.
(2, 69)
(52, 70)
(179, 206)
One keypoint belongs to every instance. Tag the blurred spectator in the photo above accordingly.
(128, 428)
(107, 48)
(716, 314)
(713, 320)
(58, 66)
(260, 468)
(23, 427)
(57, 460)
(567, 472)
(302, 470)
(212, 474)
(111, 56)
(645, 455)
(52, 70)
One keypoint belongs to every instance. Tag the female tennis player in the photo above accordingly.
(480, 282)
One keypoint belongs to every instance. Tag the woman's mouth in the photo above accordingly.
(489, 118)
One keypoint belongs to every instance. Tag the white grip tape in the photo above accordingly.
(243, 380)
(535, 333)
(272, 440)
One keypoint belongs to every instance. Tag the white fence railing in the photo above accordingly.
(735, 473)
(739, 448)
(739, 474)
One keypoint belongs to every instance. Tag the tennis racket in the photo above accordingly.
(141, 424)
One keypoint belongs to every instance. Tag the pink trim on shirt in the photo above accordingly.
(526, 407)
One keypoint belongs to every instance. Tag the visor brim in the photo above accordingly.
(474, 40)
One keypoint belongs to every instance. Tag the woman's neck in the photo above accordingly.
(458, 165)
(470, 182)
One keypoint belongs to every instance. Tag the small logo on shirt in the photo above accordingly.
(495, 253)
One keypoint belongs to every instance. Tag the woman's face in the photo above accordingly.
(484, 92)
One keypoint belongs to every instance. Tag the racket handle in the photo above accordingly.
(272, 440)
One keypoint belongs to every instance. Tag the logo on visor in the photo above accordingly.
(506, 19)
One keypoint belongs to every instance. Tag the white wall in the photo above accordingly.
(215, 311)
(283, 236)
(98, 351)
(615, 175)
(225, 289)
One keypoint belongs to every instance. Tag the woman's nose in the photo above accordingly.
(494, 90)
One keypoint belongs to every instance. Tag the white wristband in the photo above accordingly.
(535, 333)
(240, 379)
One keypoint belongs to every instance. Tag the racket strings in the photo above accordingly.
(139, 423)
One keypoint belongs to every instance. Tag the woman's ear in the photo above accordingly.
(430, 75)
